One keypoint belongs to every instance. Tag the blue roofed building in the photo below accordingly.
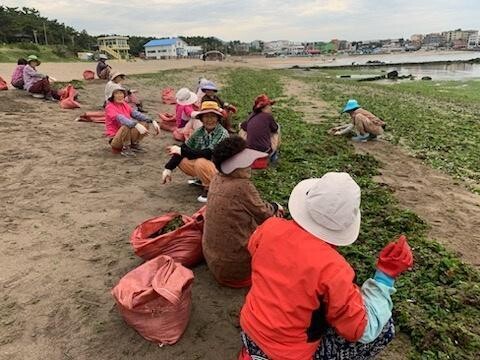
(170, 48)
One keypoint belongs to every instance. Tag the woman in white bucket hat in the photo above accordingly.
(304, 303)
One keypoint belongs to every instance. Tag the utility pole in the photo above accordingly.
(35, 36)
(45, 34)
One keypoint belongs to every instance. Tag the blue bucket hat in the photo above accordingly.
(210, 86)
(351, 104)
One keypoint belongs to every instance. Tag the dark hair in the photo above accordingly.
(226, 149)
(22, 61)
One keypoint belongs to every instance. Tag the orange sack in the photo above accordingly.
(3, 84)
(168, 96)
(67, 97)
(92, 116)
(167, 122)
(156, 298)
(88, 75)
(183, 244)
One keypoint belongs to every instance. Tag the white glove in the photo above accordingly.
(175, 149)
(141, 129)
(166, 176)
(156, 127)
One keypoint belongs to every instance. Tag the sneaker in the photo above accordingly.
(126, 151)
(38, 96)
(203, 198)
(195, 182)
(138, 149)
(50, 98)
(361, 138)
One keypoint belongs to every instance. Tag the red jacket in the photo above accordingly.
(299, 285)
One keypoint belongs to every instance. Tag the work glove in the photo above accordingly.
(141, 129)
(175, 149)
(395, 258)
(166, 176)
(156, 127)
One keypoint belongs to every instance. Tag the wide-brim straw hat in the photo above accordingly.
(243, 159)
(185, 97)
(328, 208)
(209, 107)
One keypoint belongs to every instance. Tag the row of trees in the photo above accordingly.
(26, 25)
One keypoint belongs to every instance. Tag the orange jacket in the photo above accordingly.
(300, 285)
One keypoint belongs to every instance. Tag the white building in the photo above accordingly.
(474, 42)
(166, 48)
(194, 50)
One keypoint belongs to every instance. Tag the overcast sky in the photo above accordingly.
(248, 20)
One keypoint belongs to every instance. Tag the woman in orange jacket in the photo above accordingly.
(304, 303)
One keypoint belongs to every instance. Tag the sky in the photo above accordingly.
(248, 20)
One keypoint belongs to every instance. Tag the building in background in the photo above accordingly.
(114, 46)
(474, 42)
(458, 38)
(416, 39)
(433, 41)
(171, 48)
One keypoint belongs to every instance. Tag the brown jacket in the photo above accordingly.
(366, 122)
(234, 210)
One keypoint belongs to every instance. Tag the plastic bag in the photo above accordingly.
(88, 75)
(168, 96)
(3, 84)
(67, 97)
(156, 299)
(92, 116)
(183, 244)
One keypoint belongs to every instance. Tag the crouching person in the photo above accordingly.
(233, 198)
(124, 126)
(36, 83)
(304, 303)
(367, 125)
(194, 156)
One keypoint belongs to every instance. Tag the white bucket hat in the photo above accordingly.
(243, 159)
(185, 97)
(328, 208)
(117, 74)
(114, 88)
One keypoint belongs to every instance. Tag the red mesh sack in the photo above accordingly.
(88, 75)
(168, 96)
(178, 135)
(156, 299)
(67, 97)
(167, 122)
(183, 244)
(92, 116)
(244, 355)
(3, 84)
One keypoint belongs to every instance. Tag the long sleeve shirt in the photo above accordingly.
(118, 114)
(30, 76)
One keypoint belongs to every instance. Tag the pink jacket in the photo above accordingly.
(112, 124)
(183, 113)
(17, 75)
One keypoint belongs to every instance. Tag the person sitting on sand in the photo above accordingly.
(260, 129)
(194, 156)
(17, 76)
(233, 197)
(36, 83)
(304, 303)
(103, 69)
(117, 78)
(210, 94)
(367, 125)
(124, 126)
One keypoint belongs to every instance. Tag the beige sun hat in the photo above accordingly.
(243, 159)
(114, 88)
(117, 74)
(328, 208)
(185, 97)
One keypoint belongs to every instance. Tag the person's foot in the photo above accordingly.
(361, 138)
(138, 149)
(126, 151)
(203, 198)
(38, 96)
(50, 98)
(195, 182)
